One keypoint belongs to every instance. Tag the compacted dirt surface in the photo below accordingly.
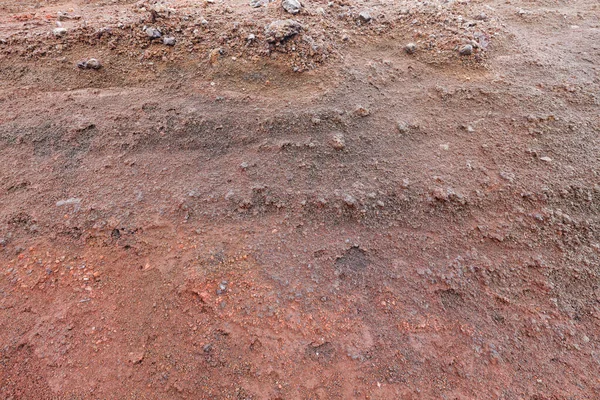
(365, 199)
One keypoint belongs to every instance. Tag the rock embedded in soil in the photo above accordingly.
(364, 16)
(403, 126)
(91, 63)
(338, 141)
(350, 201)
(169, 41)
(258, 3)
(291, 6)
(362, 111)
(153, 33)
(136, 357)
(410, 48)
(59, 32)
(281, 30)
(466, 50)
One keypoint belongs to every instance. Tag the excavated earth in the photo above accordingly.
(236, 202)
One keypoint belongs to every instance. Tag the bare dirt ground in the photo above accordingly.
(304, 209)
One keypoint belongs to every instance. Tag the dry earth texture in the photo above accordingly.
(255, 199)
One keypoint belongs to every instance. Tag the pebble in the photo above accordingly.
(350, 201)
(546, 159)
(136, 357)
(403, 127)
(91, 63)
(258, 3)
(337, 141)
(364, 16)
(291, 6)
(251, 37)
(410, 48)
(59, 32)
(507, 176)
(466, 50)
(362, 112)
(222, 287)
(169, 41)
(72, 200)
(153, 33)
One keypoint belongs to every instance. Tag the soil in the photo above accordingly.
(300, 210)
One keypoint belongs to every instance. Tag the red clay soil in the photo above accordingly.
(307, 213)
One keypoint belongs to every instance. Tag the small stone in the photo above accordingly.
(136, 357)
(546, 159)
(153, 33)
(169, 41)
(244, 166)
(403, 127)
(481, 17)
(91, 63)
(258, 3)
(291, 6)
(586, 339)
(466, 50)
(362, 112)
(350, 201)
(251, 37)
(71, 201)
(507, 176)
(364, 16)
(222, 288)
(338, 142)
(410, 48)
(59, 32)
(281, 30)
